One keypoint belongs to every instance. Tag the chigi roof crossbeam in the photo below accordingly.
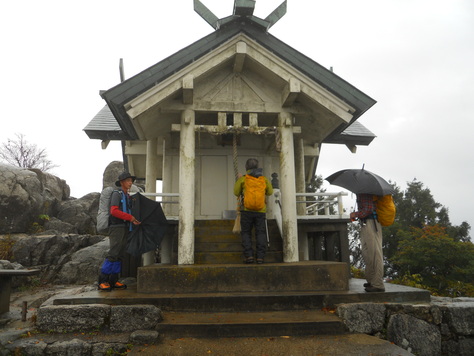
(242, 9)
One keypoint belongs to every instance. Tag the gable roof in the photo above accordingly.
(131, 88)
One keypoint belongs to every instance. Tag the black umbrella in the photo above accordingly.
(360, 181)
(148, 235)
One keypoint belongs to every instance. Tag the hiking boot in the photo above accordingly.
(120, 285)
(373, 289)
(249, 259)
(105, 287)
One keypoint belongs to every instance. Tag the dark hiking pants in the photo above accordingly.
(118, 243)
(249, 220)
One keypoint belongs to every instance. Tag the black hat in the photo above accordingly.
(123, 176)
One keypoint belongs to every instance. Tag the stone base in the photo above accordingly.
(295, 277)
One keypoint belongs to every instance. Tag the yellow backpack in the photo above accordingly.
(385, 209)
(254, 192)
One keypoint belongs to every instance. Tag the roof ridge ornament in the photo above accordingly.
(242, 8)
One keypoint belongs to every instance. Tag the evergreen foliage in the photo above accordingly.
(422, 248)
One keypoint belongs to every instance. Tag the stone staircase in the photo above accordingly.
(220, 296)
(216, 244)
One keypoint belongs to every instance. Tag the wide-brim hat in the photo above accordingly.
(123, 176)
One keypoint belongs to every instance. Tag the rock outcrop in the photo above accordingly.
(32, 201)
(27, 195)
(48, 229)
(62, 258)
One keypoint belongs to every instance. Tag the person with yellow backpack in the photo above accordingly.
(369, 206)
(254, 187)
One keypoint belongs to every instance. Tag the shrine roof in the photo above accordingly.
(103, 127)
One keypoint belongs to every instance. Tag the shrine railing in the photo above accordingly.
(322, 205)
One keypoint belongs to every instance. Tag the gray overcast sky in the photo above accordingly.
(415, 57)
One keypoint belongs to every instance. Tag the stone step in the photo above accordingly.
(221, 242)
(211, 257)
(250, 324)
(217, 246)
(249, 301)
(228, 278)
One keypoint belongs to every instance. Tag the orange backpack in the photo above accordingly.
(385, 209)
(254, 192)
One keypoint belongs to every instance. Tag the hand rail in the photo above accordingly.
(315, 206)
(277, 210)
(163, 195)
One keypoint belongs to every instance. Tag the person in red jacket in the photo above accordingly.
(119, 227)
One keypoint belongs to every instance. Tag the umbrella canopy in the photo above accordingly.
(148, 235)
(360, 181)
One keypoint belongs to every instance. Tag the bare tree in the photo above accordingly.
(22, 154)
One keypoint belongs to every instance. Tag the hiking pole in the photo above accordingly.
(266, 230)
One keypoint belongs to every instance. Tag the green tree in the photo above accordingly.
(417, 208)
(422, 248)
(440, 261)
(20, 153)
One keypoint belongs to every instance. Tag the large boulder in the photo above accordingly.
(80, 213)
(26, 196)
(84, 264)
(32, 201)
(54, 188)
(112, 171)
(63, 259)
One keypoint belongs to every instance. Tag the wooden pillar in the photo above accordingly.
(300, 177)
(151, 172)
(166, 244)
(187, 156)
(288, 189)
(167, 184)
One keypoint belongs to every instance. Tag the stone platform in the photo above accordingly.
(306, 276)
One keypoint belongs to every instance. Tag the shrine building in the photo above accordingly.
(193, 119)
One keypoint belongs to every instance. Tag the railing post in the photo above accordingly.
(277, 210)
(340, 205)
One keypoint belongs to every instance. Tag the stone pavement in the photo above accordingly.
(15, 333)
(340, 345)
